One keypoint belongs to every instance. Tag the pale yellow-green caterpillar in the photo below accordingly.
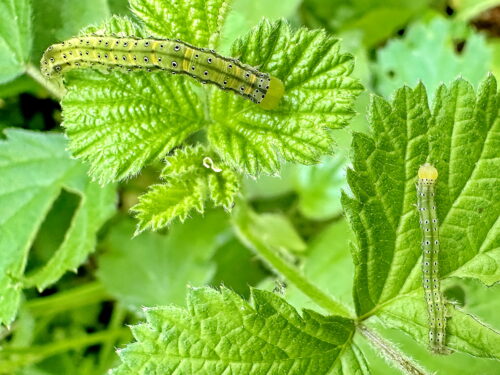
(175, 56)
(426, 186)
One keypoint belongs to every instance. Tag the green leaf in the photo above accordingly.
(19, 85)
(164, 203)
(246, 14)
(119, 7)
(115, 144)
(97, 206)
(319, 188)
(35, 168)
(329, 265)
(267, 187)
(192, 177)
(375, 20)
(223, 188)
(276, 231)
(78, 14)
(119, 122)
(458, 136)
(237, 267)
(55, 21)
(163, 110)
(465, 333)
(468, 123)
(351, 361)
(328, 259)
(430, 56)
(406, 134)
(478, 300)
(115, 24)
(154, 269)
(280, 262)
(198, 22)
(221, 332)
(310, 64)
(15, 38)
(455, 363)
(47, 26)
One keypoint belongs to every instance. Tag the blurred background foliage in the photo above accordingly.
(74, 326)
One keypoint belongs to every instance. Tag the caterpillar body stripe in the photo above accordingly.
(175, 56)
(427, 176)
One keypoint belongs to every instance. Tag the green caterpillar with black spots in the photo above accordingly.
(436, 309)
(174, 56)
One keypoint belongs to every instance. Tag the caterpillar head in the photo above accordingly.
(274, 94)
(51, 64)
(427, 172)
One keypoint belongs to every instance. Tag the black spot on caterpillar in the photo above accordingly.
(175, 56)
(426, 185)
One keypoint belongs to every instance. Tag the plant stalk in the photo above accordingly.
(389, 351)
(107, 349)
(12, 359)
(87, 294)
(242, 223)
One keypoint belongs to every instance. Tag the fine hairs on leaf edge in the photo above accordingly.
(391, 352)
(193, 169)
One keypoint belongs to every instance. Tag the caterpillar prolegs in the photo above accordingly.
(175, 56)
(427, 176)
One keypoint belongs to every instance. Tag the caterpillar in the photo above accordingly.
(175, 56)
(427, 176)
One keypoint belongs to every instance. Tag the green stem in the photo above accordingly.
(242, 223)
(389, 351)
(13, 358)
(87, 294)
(53, 89)
(117, 318)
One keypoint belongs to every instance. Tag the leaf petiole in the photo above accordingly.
(242, 223)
